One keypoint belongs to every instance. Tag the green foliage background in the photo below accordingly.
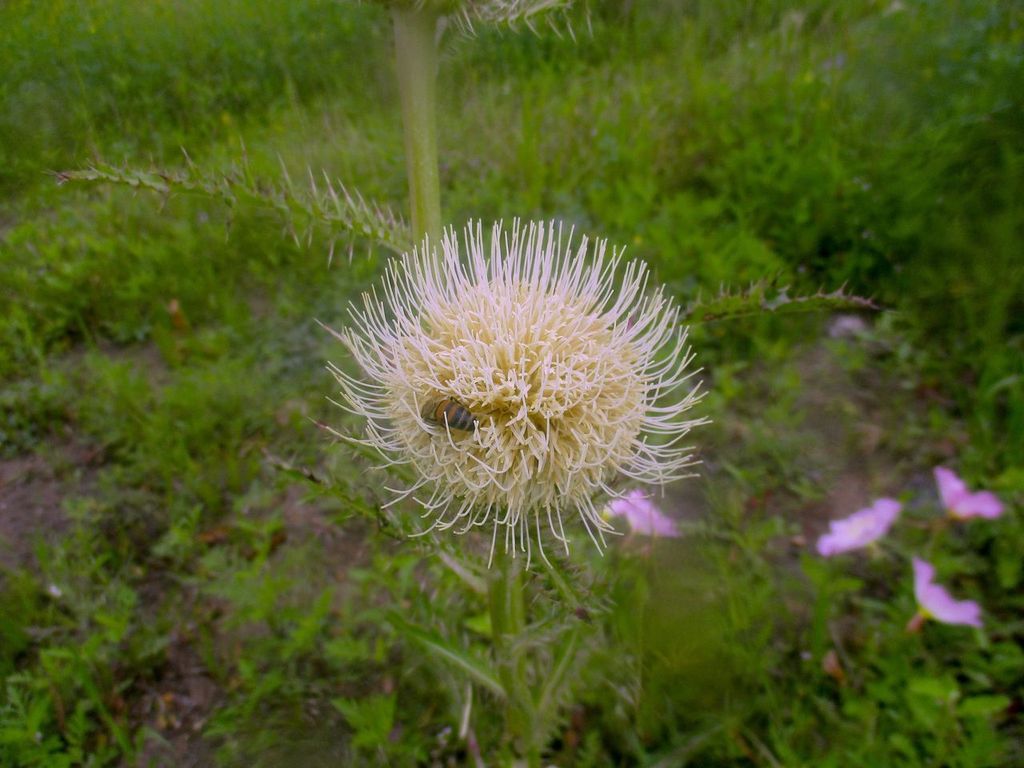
(159, 365)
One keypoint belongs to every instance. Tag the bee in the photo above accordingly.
(455, 413)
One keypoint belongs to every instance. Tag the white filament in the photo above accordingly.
(574, 377)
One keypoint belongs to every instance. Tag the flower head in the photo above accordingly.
(643, 516)
(859, 529)
(935, 602)
(525, 343)
(961, 503)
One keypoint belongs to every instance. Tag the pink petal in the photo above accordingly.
(643, 515)
(951, 488)
(960, 502)
(980, 504)
(886, 511)
(943, 607)
(859, 529)
(937, 603)
(924, 572)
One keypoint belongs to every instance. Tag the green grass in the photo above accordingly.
(195, 596)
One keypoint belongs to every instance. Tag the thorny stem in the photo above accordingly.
(416, 59)
(508, 621)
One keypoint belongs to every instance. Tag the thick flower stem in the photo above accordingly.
(508, 621)
(416, 59)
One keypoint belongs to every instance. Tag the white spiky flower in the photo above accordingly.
(576, 375)
(466, 13)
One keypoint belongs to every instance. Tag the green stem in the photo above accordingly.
(508, 621)
(416, 58)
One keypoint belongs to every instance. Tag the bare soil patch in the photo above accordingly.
(32, 493)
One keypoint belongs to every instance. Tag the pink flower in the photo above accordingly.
(935, 602)
(643, 516)
(859, 529)
(961, 503)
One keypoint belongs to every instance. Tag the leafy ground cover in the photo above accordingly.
(177, 590)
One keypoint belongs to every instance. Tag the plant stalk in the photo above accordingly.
(416, 59)
(508, 621)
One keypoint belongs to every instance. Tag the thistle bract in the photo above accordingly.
(574, 374)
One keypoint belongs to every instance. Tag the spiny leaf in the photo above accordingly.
(476, 668)
(468, 572)
(764, 297)
(302, 209)
(510, 12)
(555, 684)
(562, 584)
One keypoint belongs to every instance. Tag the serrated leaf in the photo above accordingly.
(902, 744)
(371, 718)
(938, 689)
(303, 637)
(983, 706)
(347, 649)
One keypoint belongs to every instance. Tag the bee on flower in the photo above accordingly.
(519, 375)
